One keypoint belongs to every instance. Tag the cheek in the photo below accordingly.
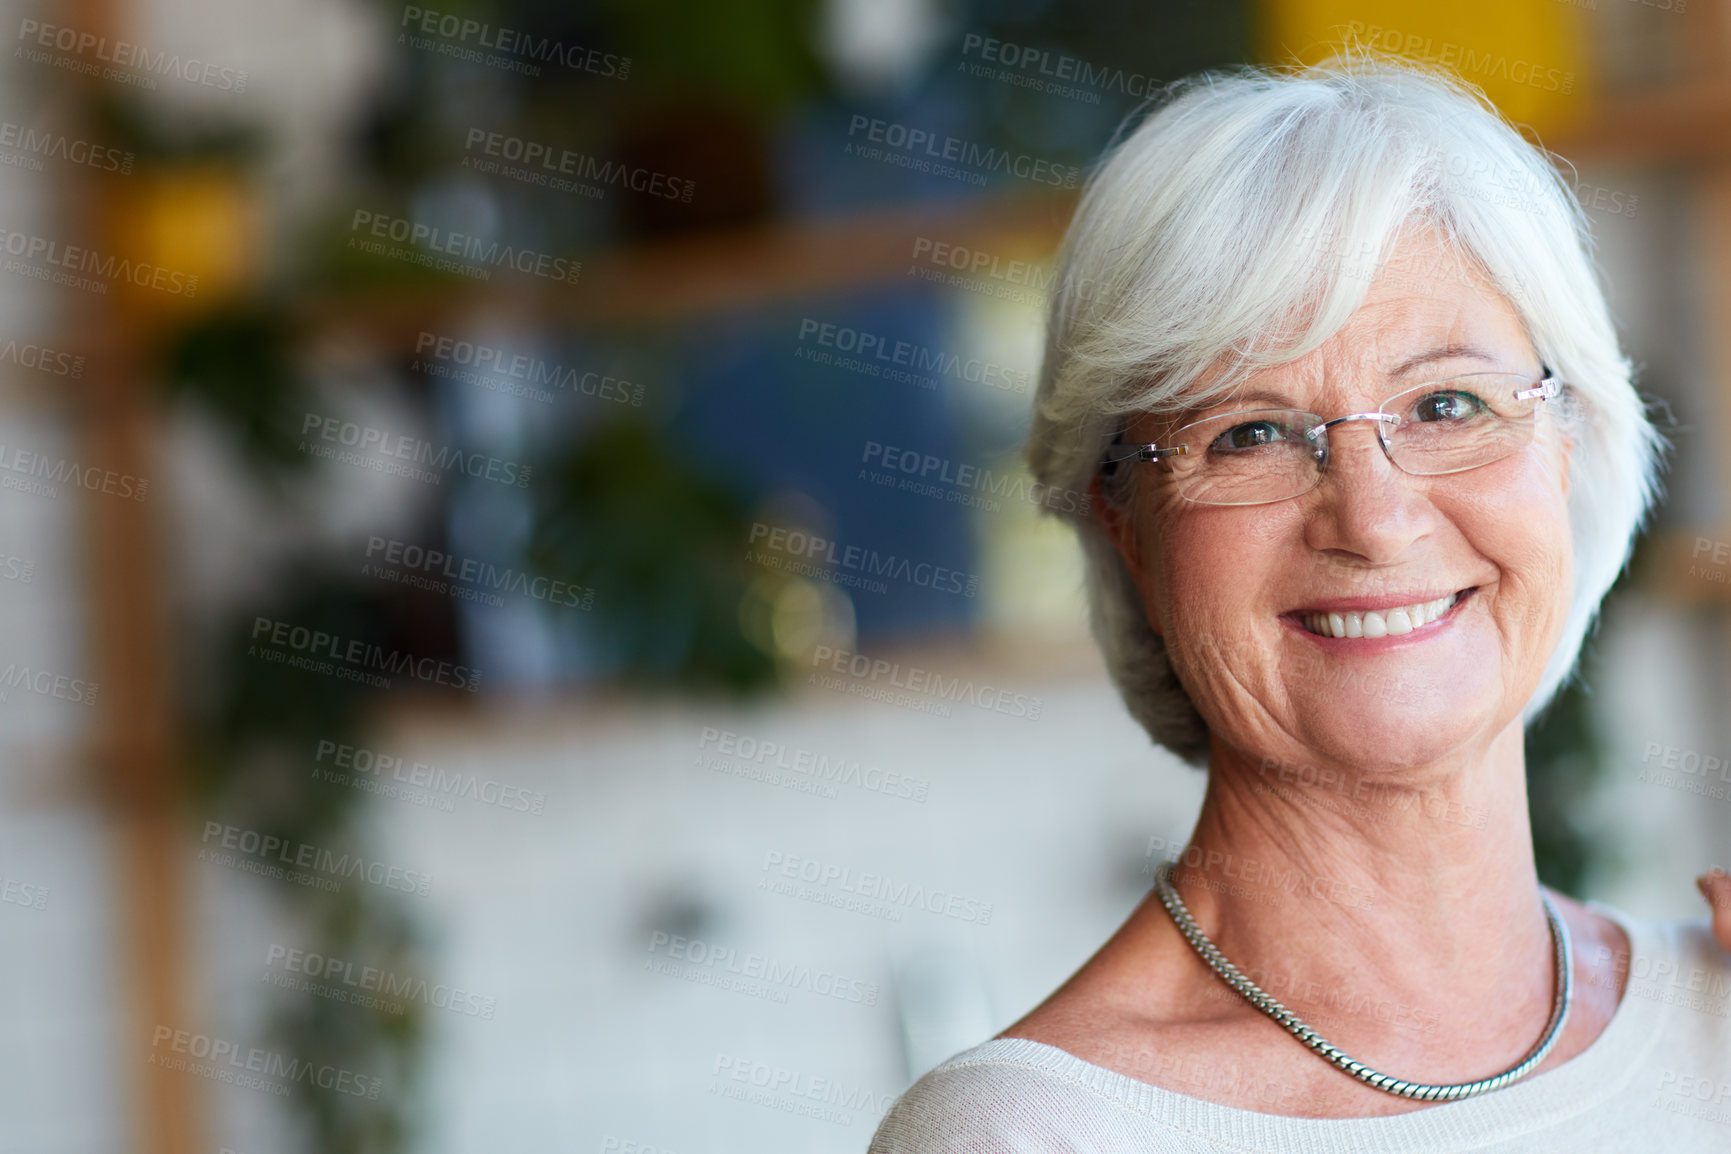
(1521, 525)
(1214, 566)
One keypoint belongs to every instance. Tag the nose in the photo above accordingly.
(1385, 420)
(1365, 506)
(1339, 449)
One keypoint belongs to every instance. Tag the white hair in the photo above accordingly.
(1239, 225)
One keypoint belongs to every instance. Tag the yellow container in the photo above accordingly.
(1528, 56)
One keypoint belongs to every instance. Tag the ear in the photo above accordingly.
(1122, 532)
(1562, 427)
(1567, 452)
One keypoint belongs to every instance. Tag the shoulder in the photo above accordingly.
(1684, 949)
(1681, 967)
(1006, 1096)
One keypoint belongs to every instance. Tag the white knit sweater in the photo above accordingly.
(1656, 1080)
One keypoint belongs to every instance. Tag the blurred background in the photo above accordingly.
(524, 627)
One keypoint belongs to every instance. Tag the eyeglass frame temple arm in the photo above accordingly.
(1546, 390)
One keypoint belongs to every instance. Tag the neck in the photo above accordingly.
(1376, 903)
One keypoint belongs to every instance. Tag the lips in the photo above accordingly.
(1389, 621)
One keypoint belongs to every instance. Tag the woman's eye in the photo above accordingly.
(1450, 406)
(1249, 435)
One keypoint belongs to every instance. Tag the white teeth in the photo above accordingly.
(1379, 622)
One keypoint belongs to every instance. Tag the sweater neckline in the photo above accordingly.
(1587, 1079)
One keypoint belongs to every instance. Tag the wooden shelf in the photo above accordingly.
(681, 279)
(1685, 124)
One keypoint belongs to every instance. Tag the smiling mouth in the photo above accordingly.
(1374, 623)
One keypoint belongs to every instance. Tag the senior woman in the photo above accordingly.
(1329, 352)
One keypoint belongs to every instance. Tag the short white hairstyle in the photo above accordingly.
(1258, 202)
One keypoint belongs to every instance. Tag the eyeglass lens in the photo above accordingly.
(1261, 455)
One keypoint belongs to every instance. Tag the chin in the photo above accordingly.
(1410, 726)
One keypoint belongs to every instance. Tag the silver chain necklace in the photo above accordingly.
(1254, 994)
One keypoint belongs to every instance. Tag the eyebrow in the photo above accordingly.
(1449, 352)
(1442, 353)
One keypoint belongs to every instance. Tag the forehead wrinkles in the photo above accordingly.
(1383, 333)
(1353, 366)
(1399, 318)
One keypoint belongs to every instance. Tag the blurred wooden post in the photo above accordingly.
(1709, 55)
(1713, 196)
(1708, 52)
(135, 746)
(135, 742)
(1683, 125)
(1708, 43)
